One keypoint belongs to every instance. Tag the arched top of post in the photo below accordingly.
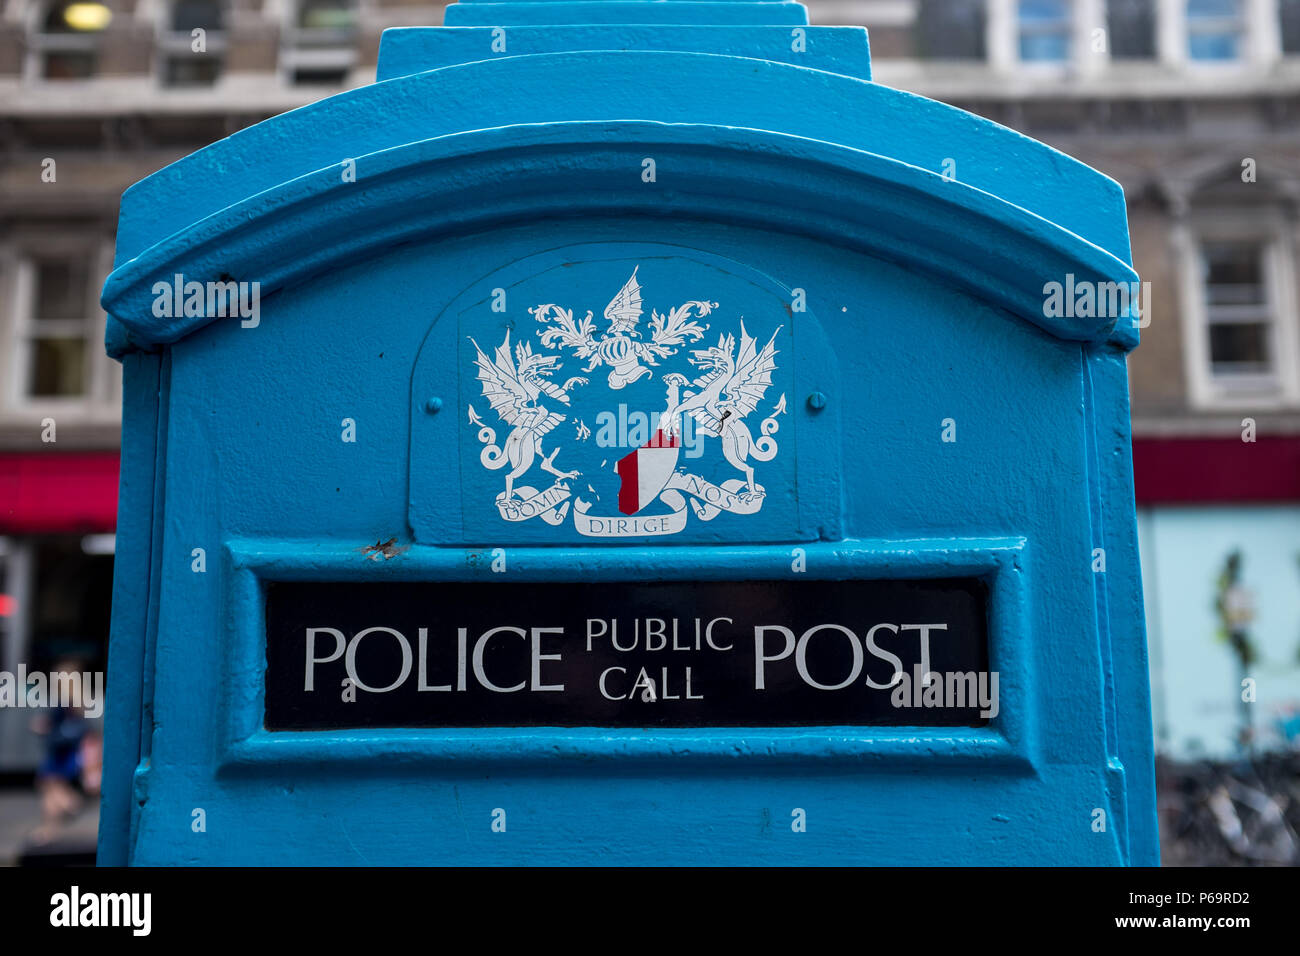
(476, 180)
(654, 86)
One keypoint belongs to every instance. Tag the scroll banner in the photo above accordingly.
(706, 499)
(551, 505)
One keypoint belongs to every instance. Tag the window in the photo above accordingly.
(1044, 31)
(64, 43)
(192, 43)
(321, 43)
(338, 16)
(1214, 29)
(1288, 12)
(57, 332)
(57, 357)
(1131, 28)
(1240, 314)
(950, 29)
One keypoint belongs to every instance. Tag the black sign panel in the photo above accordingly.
(626, 654)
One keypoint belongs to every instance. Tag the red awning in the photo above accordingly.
(49, 492)
(52, 492)
(1210, 470)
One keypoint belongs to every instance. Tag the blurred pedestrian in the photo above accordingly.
(72, 768)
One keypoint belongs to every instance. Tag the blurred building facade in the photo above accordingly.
(94, 97)
(1192, 105)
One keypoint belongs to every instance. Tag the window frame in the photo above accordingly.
(170, 43)
(39, 44)
(1066, 26)
(298, 53)
(1206, 390)
(1081, 18)
(1262, 313)
(1242, 32)
(100, 401)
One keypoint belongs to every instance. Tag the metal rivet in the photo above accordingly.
(433, 406)
(816, 401)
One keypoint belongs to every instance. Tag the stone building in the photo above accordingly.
(1192, 105)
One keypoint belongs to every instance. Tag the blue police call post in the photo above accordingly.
(618, 386)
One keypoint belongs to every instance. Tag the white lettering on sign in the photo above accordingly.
(648, 687)
(343, 647)
(656, 636)
(765, 651)
(616, 653)
(774, 644)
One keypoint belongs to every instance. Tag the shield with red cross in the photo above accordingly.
(644, 472)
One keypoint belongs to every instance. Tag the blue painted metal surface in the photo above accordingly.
(508, 151)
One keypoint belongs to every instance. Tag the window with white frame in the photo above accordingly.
(1044, 30)
(1204, 33)
(1215, 30)
(192, 43)
(1242, 312)
(57, 354)
(64, 39)
(320, 43)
